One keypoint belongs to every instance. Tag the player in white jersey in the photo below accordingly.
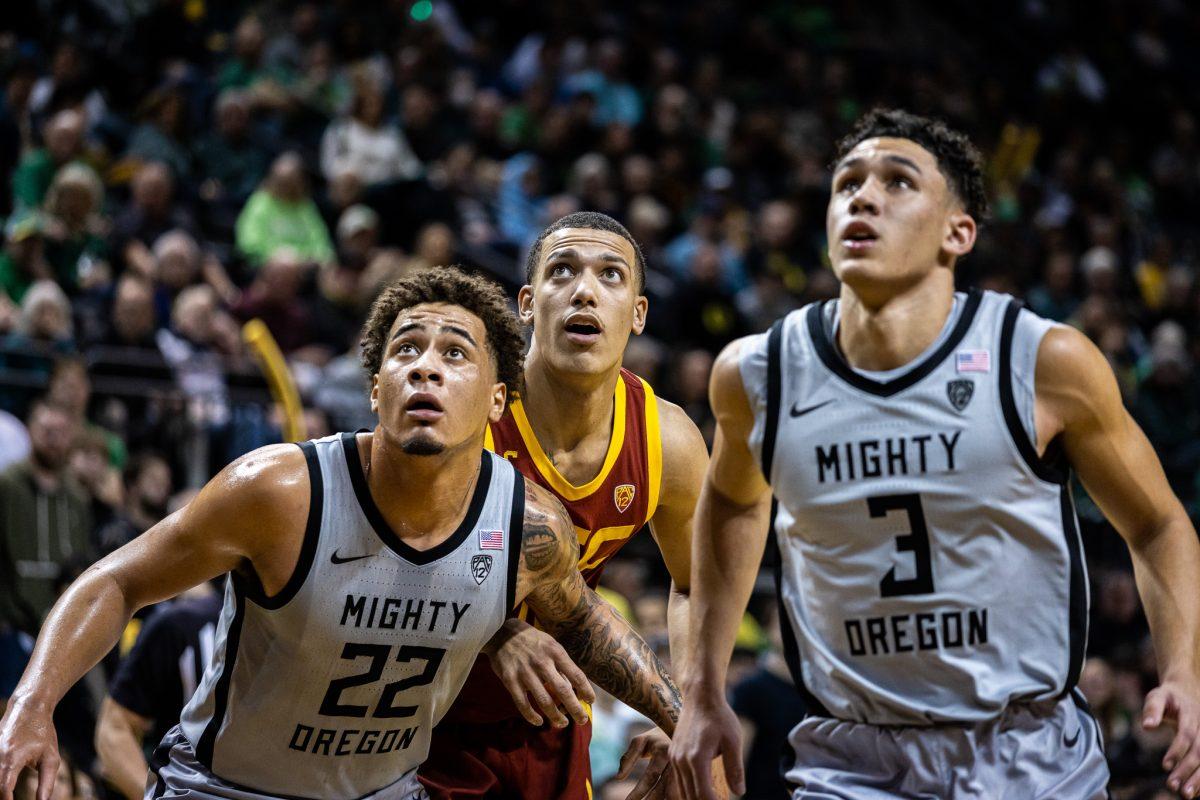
(367, 572)
(918, 443)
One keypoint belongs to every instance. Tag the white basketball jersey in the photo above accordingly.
(330, 688)
(929, 560)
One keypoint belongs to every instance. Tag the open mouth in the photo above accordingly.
(583, 331)
(423, 407)
(859, 236)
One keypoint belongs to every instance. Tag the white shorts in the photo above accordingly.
(1039, 751)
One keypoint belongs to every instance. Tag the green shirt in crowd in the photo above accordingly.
(267, 223)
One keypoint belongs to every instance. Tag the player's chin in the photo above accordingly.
(422, 443)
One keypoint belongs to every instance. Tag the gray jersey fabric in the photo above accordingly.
(330, 688)
(930, 560)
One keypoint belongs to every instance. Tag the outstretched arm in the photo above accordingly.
(730, 534)
(226, 526)
(609, 651)
(1078, 398)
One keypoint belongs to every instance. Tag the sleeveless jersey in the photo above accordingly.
(930, 561)
(330, 688)
(606, 511)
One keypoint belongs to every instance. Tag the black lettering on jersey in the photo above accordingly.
(342, 742)
(458, 614)
(896, 455)
(354, 605)
(412, 616)
(905, 633)
(950, 444)
(828, 459)
(343, 745)
(374, 607)
(436, 605)
(391, 611)
(323, 740)
(868, 451)
(920, 442)
(296, 743)
(366, 744)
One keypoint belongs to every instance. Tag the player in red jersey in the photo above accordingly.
(596, 436)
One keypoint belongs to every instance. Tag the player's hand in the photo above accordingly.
(657, 780)
(532, 664)
(707, 729)
(29, 741)
(1178, 704)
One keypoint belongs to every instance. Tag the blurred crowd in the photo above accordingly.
(174, 168)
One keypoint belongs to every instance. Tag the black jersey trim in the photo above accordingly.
(208, 739)
(774, 393)
(1052, 469)
(160, 758)
(1078, 601)
(308, 550)
(397, 545)
(833, 360)
(791, 648)
(516, 530)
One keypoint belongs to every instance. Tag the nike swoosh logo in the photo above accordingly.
(800, 412)
(336, 559)
(1071, 742)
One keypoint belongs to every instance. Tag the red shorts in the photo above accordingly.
(508, 759)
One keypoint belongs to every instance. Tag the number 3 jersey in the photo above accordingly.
(929, 560)
(330, 688)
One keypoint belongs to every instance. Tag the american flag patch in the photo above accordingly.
(973, 361)
(491, 540)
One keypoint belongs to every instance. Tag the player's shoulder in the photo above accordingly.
(547, 534)
(681, 438)
(543, 507)
(266, 487)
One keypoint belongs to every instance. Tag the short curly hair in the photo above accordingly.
(959, 160)
(593, 220)
(452, 285)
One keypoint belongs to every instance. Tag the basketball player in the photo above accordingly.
(596, 436)
(919, 444)
(367, 571)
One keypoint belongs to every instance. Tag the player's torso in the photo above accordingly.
(929, 572)
(623, 494)
(331, 688)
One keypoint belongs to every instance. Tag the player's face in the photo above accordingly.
(892, 218)
(436, 387)
(584, 302)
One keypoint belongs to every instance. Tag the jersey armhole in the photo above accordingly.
(653, 447)
(516, 530)
(774, 392)
(251, 585)
(1052, 468)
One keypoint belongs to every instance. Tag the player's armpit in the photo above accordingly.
(734, 473)
(591, 631)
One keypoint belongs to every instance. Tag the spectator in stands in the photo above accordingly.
(274, 297)
(146, 487)
(266, 87)
(230, 162)
(75, 228)
(44, 518)
(70, 83)
(63, 137)
(45, 321)
(23, 260)
(152, 685)
(151, 212)
(282, 214)
(366, 144)
(132, 321)
(101, 481)
(179, 263)
(162, 135)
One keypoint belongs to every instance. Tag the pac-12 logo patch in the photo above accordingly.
(481, 566)
(960, 392)
(623, 496)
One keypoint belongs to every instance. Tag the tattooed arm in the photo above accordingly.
(592, 632)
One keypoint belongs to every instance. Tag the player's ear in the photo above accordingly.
(375, 393)
(499, 400)
(960, 233)
(525, 304)
(641, 307)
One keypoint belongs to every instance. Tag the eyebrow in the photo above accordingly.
(908, 162)
(455, 329)
(572, 253)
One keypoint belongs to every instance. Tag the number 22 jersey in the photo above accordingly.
(930, 565)
(330, 688)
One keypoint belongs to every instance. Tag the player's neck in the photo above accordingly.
(419, 496)
(892, 332)
(564, 409)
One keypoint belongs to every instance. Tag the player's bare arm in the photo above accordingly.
(249, 517)
(590, 630)
(1078, 399)
(730, 534)
(119, 734)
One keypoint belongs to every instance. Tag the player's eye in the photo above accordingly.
(456, 352)
(611, 274)
(902, 182)
(560, 271)
(406, 349)
(849, 185)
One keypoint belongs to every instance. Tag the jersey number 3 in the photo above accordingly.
(915, 541)
(332, 705)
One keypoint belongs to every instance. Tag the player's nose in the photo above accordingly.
(426, 368)
(584, 292)
(867, 198)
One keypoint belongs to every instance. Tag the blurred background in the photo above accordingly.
(173, 168)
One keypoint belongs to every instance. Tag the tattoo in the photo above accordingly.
(539, 545)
